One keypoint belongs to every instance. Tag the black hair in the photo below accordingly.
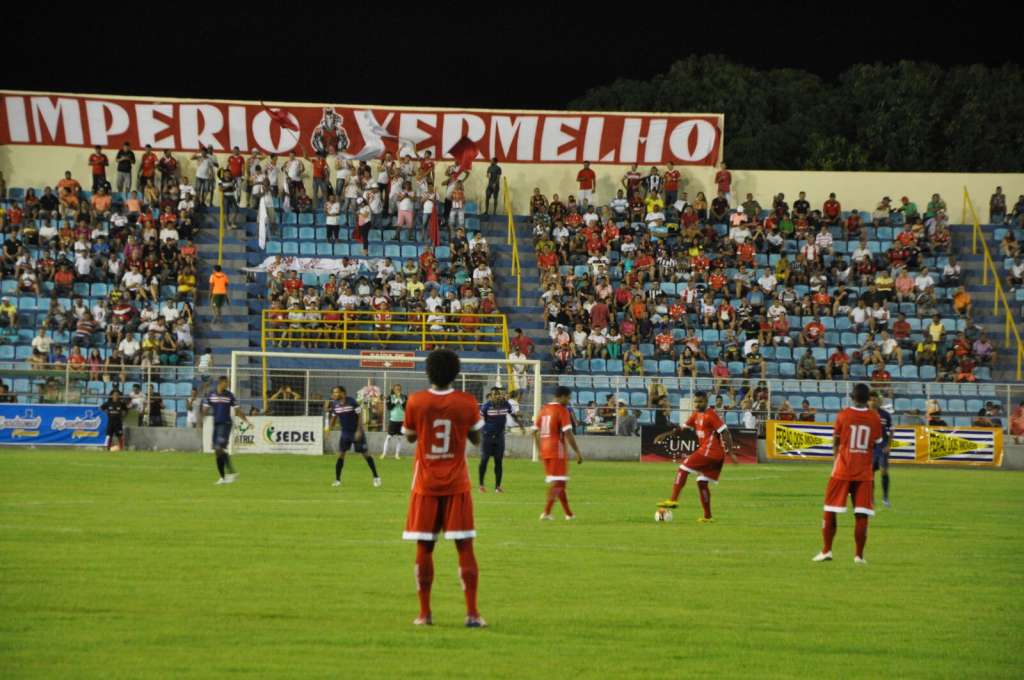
(340, 388)
(700, 393)
(860, 393)
(562, 391)
(443, 366)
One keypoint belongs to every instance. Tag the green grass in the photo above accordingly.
(136, 565)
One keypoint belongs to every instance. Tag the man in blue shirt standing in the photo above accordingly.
(344, 413)
(880, 455)
(495, 412)
(223, 404)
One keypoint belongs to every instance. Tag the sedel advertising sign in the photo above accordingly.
(272, 434)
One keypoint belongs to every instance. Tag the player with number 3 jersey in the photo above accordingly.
(440, 421)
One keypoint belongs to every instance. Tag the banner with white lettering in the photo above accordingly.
(278, 434)
(359, 132)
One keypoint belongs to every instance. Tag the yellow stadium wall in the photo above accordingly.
(38, 166)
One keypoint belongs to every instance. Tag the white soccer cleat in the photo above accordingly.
(859, 560)
(336, 482)
(220, 481)
(376, 481)
(384, 455)
(822, 557)
(423, 621)
(569, 518)
(547, 517)
(231, 477)
(886, 503)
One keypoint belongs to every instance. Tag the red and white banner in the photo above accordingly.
(361, 132)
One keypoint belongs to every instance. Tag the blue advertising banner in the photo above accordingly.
(52, 425)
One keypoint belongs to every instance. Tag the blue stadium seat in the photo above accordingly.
(22, 352)
(580, 365)
(6, 352)
(646, 417)
(986, 390)
(975, 405)
(819, 353)
(602, 381)
(341, 250)
(927, 372)
(650, 367)
(584, 381)
(902, 404)
(614, 366)
(289, 233)
(306, 218)
(290, 248)
(637, 398)
(908, 371)
(597, 366)
(585, 396)
(783, 352)
(826, 387)
(831, 403)
(28, 303)
(666, 367)
(791, 386)
(324, 250)
(786, 369)
(376, 250)
(814, 401)
(646, 348)
(273, 248)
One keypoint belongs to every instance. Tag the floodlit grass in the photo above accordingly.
(136, 565)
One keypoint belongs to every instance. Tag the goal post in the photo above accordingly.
(298, 383)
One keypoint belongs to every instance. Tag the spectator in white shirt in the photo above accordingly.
(480, 273)
(924, 281)
(824, 240)
(861, 252)
(767, 282)
(129, 347)
(859, 316)
(740, 233)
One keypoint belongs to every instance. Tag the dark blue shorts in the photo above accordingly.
(879, 459)
(348, 441)
(493, 444)
(221, 435)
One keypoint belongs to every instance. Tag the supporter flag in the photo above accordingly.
(464, 152)
(435, 232)
(281, 116)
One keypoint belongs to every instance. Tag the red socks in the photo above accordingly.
(677, 487)
(469, 574)
(828, 530)
(552, 495)
(705, 498)
(563, 498)
(860, 533)
(425, 574)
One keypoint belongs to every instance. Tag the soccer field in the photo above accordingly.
(136, 565)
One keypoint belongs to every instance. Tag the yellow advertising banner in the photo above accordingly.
(955, 446)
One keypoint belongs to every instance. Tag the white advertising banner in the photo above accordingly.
(272, 434)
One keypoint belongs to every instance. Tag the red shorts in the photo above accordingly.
(706, 468)
(862, 493)
(555, 470)
(429, 515)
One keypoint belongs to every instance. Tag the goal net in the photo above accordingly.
(299, 383)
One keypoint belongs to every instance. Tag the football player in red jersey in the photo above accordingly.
(857, 430)
(552, 430)
(439, 421)
(714, 441)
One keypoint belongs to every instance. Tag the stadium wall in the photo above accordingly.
(38, 166)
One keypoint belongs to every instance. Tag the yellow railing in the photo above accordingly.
(999, 295)
(220, 232)
(514, 242)
(382, 329)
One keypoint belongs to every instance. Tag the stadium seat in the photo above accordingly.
(666, 367)
(324, 250)
(585, 396)
(581, 365)
(341, 250)
(290, 248)
(908, 371)
(650, 367)
(786, 369)
(584, 381)
(597, 366)
(614, 366)
(831, 403)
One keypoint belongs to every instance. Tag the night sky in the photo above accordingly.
(507, 58)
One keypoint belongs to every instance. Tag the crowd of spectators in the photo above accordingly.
(112, 273)
(653, 267)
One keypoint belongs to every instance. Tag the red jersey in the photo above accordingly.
(236, 164)
(857, 430)
(552, 423)
(99, 163)
(441, 421)
(586, 178)
(707, 425)
(148, 164)
(319, 168)
(671, 179)
(723, 178)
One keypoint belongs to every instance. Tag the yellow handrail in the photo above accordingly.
(220, 237)
(1009, 326)
(514, 242)
(382, 329)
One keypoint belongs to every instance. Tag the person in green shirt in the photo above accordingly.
(934, 206)
(395, 407)
(909, 210)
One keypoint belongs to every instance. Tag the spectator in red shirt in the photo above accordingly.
(147, 168)
(813, 333)
(671, 180)
(830, 211)
(98, 162)
(839, 364)
(321, 182)
(588, 182)
(881, 379)
(522, 343)
(723, 180)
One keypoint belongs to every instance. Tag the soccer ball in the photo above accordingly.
(663, 515)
